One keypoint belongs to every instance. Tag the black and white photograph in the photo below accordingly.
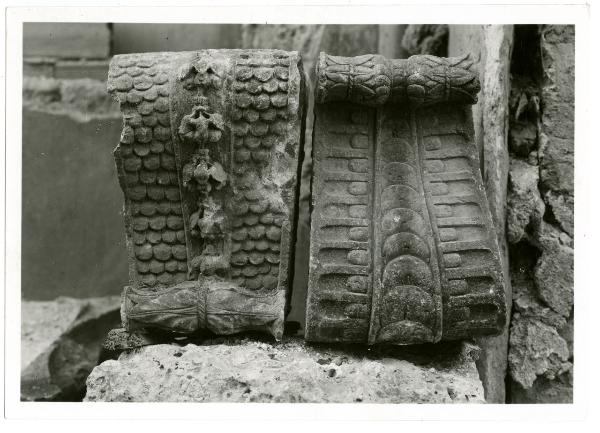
(206, 206)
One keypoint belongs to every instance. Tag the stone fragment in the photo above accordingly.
(525, 206)
(61, 342)
(556, 147)
(288, 372)
(554, 271)
(420, 192)
(553, 391)
(185, 192)
(562, 206)
(536, 349)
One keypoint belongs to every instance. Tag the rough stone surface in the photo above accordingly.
(525, 206)
(288, 372)
(61, 342)
(536, 349)
(426, 39)
(556, 147)
(540, 221)
(490, 46)
(554, 270)
(559, 389)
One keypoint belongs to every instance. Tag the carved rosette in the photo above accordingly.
(403, 249)
(211, 243)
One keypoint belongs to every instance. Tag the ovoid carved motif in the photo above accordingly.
(208, 162)
(403, 249)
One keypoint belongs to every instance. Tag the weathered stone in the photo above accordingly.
(554, 271)
(557, 123)
(61, 342)
(525, 206)
(309, 40)
(562, 206)
(421, 192)
(557, 390)
(232, 186)
(536, 349)
(491, 47)
(426, 39)
(538, 336)
(288, 372)
(528, 306)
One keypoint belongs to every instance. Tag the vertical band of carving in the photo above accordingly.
(147, 171)
(407, 296)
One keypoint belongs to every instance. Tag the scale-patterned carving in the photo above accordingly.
(407, 297)
(260, 114)
(209, 163)
(147, 171)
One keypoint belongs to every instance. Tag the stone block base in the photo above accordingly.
(234, 370)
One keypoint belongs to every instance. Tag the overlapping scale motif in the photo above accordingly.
(260, 114)
(410, 289)
(208, 162)
(147, 171)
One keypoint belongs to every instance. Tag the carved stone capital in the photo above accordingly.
(207, 161)
(403, 248)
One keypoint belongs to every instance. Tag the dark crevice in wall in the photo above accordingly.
(540, 251)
